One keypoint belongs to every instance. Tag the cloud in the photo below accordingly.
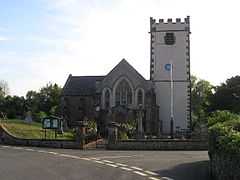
(2, 38)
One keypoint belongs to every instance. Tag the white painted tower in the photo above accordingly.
(170, 47)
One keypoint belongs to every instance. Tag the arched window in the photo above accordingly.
(123, 93)
(107, 99)
(140, 97)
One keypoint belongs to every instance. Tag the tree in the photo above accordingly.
(47, 100)
(227, 96)
(4, 89)
(201, 92)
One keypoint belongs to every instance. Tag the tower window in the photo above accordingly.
(169, 38)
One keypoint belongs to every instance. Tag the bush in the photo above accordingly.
(39, 116)
(224, 145)
(122, 135)
(221, 116)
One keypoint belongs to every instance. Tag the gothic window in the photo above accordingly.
(123, 93)
(107, 99)
(140, 97)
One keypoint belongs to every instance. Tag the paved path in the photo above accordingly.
(26, 163)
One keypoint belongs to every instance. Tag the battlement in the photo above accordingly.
(171, 21)
(177, 24)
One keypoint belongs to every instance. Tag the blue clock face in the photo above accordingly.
(167, 67)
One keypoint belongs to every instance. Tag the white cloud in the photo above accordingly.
(2, 38)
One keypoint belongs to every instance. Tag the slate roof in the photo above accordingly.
(81, 85)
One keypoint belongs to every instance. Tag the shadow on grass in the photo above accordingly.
(188, 171)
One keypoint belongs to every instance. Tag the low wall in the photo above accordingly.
(7, 138)
(225, 166)
(159, 144)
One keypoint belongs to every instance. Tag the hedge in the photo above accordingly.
(224, 145)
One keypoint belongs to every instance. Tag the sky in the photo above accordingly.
(44, 41)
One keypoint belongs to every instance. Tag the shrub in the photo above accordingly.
(224, 145)
(221, 116)
(39, 116)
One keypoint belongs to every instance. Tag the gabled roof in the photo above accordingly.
(81, 85)
(124, 62)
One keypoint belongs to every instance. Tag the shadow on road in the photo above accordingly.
(188, 171)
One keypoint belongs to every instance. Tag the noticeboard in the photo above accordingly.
(51, 123)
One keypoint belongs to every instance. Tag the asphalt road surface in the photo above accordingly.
(31, 163)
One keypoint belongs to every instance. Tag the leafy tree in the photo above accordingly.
(201, 91)
(227, 96)
(47, 100)
(50, 98)
(4, 89)
(13, 106)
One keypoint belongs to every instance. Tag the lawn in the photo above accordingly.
(22, 129)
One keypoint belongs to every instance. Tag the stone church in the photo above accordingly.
(164, 99)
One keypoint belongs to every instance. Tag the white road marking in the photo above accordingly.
(166, 178)
(151, 173)
(69, 156)
(120, 164)
(112, 165)
(99, 162)
(107, 161)
(28, 149)
(54, 153)
(137, 168)
(86, 159)
(115, 157)
(154, 178)
(41, 151)
(140, 173)
(18, 148)
(124, 168)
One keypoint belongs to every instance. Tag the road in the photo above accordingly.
(31, 163)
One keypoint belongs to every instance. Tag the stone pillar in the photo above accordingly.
(112, 133)
(81, 133)
(140, 133)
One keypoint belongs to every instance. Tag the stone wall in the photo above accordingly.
(6, 138)
(225, 166)
(159, 144)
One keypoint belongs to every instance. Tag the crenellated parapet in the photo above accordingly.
(170, 24)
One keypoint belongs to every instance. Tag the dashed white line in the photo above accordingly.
(137, 168)
(5, 146)
(54, 153)
(69, 156)
(154, 178)
(125, 168)
(107, 161)
(120, 164)
(86, 159)
(41, 151)
(166, 178)
(151, 173)
(140, 173)
(99, 162)
(28, 149)
(112, 165)
(18, 148)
